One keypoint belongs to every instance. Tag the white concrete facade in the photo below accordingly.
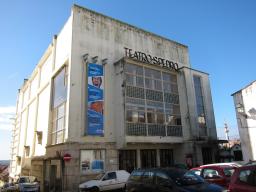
(92, 34)
(245, 105)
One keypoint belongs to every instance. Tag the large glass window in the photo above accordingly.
(151, 100)
(59, 106)
(92, 161)
(201, 119)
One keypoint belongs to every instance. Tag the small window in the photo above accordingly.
(109, 176)
(210, 173)
(248, 177)
(229, 171)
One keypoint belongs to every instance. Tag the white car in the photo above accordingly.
(27, 183)
(110, 180)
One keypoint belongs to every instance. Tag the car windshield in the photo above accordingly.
(183, 178)
(24, 180)
(100, 176)
(229, 171)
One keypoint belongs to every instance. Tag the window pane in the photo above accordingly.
(176, 109)
(60, 124)
(129, 79)
(173, 78)
(174, 88)
(170, 119)
(61, 111)
(139, 70)
(151, 117)
(135, 116)
(156, 74)
(149, 83)
(139, 81)
(129, 68)
(129, 116)
(148, 73)
(160, 118)
(167, 87)
(158, 85)
(167, 77)
(141, 116)
(60, 88)
(59, 137)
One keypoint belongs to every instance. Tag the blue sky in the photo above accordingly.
(220, 34)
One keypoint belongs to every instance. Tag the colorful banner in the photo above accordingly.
(95, 99)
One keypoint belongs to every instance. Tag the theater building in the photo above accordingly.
(107, 95)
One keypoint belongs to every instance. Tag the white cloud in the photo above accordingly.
(6, 115)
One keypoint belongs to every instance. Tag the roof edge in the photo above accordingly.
(133, 26)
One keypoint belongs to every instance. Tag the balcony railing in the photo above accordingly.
(140, 129)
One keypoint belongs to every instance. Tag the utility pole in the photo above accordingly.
(226, 130)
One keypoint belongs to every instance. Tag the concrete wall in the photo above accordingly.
(247, 120)
(104, 37)
(33, 106)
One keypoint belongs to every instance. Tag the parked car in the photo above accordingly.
(8, 187)
(243, 179)
(168, 180)
(217, 174)
(110, 180)
(27, 183)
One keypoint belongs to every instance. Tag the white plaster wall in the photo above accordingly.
(20, 101)
(26, 97)
(22, 132)
(106, 38)
(46, 71)
(249, 100)
(34, 86)
(30, 135)
(43, 119)
(63, 45)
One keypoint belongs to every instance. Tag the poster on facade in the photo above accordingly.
(95, 99)
(92, 161)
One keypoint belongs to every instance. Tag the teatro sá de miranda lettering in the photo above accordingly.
(106, 95)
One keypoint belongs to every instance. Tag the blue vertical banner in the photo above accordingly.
(95, 100)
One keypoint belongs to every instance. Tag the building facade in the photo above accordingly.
(107, 95)
(245, 105)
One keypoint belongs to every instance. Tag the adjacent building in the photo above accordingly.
(107, 95)
(245, 105)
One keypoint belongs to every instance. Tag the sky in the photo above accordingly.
(220, 34)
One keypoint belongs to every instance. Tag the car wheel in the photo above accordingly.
(94, 189)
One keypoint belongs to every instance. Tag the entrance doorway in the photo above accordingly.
(148, 158)
(207, 155)
(127, 160)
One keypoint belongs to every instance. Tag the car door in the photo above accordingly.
(245, 182)
(212, 175)
(163, 183)
(109, 181)
(147, 182)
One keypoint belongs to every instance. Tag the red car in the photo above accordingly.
(243, 179)
(217, 174)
